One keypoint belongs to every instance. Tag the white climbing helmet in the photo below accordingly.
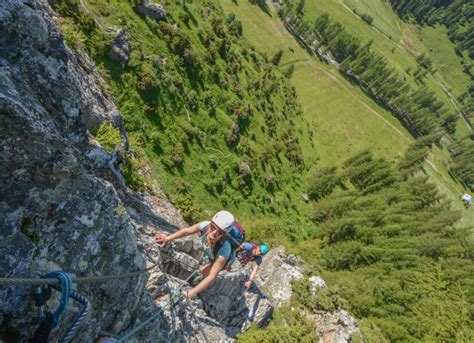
(224, 219)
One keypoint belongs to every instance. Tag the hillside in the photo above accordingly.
(80, 257)
(355, 166)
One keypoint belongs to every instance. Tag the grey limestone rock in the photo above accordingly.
(152, 10)
(276, 276)
(316, 283)
(335, 327)
(292, 260)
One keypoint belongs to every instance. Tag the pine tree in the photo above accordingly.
(289, 71)
(300, 7)
(277, 58)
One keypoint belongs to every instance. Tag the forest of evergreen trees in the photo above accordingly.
(389, 243)
(458, 17)
(419, 110)
(462, 153)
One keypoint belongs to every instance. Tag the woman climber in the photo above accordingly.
(251, 252)
(219, 237)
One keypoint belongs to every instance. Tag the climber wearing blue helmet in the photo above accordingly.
(251, 252)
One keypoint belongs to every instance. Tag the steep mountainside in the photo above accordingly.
(65, 207)
(114, 112)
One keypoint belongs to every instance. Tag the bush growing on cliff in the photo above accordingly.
(108, 136)
(287, 326)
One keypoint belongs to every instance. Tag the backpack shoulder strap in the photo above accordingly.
(204, 227)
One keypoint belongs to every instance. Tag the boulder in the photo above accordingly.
(276, 275)
(149, 9)
(316, 283)
(335, 327)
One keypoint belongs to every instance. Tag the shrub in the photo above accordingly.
(193, 100)
(108, 136)
(191, 212)
(132, 174)
(277, 58)
(147, 77)
(233, 137)
(289, 72)
(287, 326)
(367, 18)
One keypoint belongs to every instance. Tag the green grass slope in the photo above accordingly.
(218, 124)
(345, 121)
(441, 50)
(397, 41)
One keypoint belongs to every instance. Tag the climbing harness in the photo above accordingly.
(236, 236)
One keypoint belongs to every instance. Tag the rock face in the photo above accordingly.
(276, 275)
(62, 208)
(278, 270)
(152, 10)
(55, 213)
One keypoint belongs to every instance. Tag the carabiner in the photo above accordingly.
(52, 319)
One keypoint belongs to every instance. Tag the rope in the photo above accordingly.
(188, 306)
(140, 326)
(51, 281)
(85, 311)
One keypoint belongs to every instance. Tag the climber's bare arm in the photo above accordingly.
(216, 267)
(249, 282)
(162, 239)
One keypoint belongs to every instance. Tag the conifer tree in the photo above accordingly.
(289, 71)
(277, 58)
(300, 6)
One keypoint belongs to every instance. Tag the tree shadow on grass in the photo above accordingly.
(263, 6)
